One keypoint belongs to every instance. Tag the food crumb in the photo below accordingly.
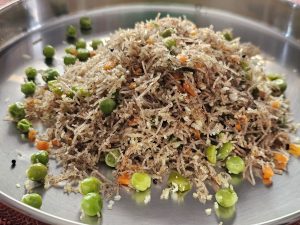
(117, 198)
(110, 204)
(147, 199)
(209, 197)
(208, 211)
(216, 206)
(195, 195)
(6, 100)
(18, 185)
(26, 56)
(165, 193)
(221, 223)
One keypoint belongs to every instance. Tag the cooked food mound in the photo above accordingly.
(166, 96)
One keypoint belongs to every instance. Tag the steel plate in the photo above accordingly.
(257, 205)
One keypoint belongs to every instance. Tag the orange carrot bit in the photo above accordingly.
(124, 179)
(42, 145)
(182, 58)
(56, 143)
(92, 53)
(187, 86)
(267, 172)
(133, 122)
(196, 134)
(198, 65)
(275, 104)
(294, 149)
(238, 127)
(109, 65)
(281, 160)
(267, 181)
(32, 135)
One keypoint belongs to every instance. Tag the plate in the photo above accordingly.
(257, 204)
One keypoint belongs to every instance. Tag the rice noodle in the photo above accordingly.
(149, 80)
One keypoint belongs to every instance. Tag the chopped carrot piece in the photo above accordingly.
(92, 53)
(42, 145)
(198, 65)
(133, 122)
(56, 143)
(281, 160)
(109, 65)
(238, 127)
(294, 149)
(187, 86)
(132, 85)
(267, 181)
(32, 135)
(182, 58)
(196, 134)
(267, 172)
(275, 104)
(124, 179)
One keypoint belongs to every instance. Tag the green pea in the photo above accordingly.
(89, 185)
(182, 182)
(211, 154)
(81, 43)
(83, 92)
(225, 150)
(228, 36)
(167, 32)
(226, 197)
(280, 85)
(71, 31)
(170, 43)
(140, 181)
(17, 111)
(71, 93)
(235, 164)
(31, 73)
(24, 125)
(83, 54)
(91, 204)
(112, 158)
(71, 50)
(55, 87)
(49, 51)
(37, 172)
(95, 43)
(69, 59)
(28, 88)
(40, 157)
(33, 199)
(85, 23)
(245, 66)
(274, 76)
(50, 74)
(107, 106)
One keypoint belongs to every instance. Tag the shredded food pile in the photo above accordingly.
(172, 103)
